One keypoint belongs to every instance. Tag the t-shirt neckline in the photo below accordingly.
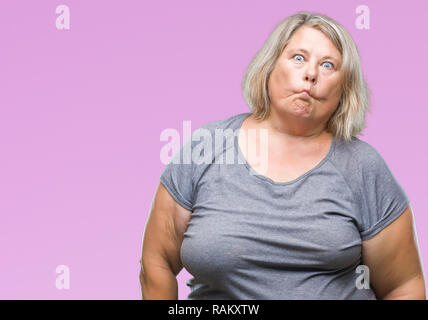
(265, 178)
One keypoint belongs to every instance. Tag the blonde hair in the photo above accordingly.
(349, 117)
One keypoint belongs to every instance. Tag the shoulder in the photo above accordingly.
(359, 163)
(358, 154)
(207, 131)
(225, 123)
(205, 141)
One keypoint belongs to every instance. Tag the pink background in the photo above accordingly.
(82, 111)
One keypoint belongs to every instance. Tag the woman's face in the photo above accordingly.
(310, 61)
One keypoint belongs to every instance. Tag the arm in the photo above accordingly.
(160, 262)
(393, 261)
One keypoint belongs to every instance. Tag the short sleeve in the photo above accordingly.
(383, 198)
(177, 178)
(178, 174)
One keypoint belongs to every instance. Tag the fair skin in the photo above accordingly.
(298, 140)
(296, 124)
(160, 262)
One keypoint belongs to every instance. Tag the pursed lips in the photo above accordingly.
(305, 95)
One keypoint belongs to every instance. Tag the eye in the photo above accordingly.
(297, 55)
(332, 66)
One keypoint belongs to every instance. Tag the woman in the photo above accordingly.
(298, 222)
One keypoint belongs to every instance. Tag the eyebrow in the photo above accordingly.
(306, 52)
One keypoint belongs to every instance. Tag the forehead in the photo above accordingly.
(312, 40)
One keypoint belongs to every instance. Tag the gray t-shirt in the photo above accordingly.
(250, 237)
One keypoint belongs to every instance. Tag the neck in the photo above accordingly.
(294, 130)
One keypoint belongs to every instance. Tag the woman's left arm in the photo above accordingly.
(393, 260)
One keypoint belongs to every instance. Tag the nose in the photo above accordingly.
(310, 73)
